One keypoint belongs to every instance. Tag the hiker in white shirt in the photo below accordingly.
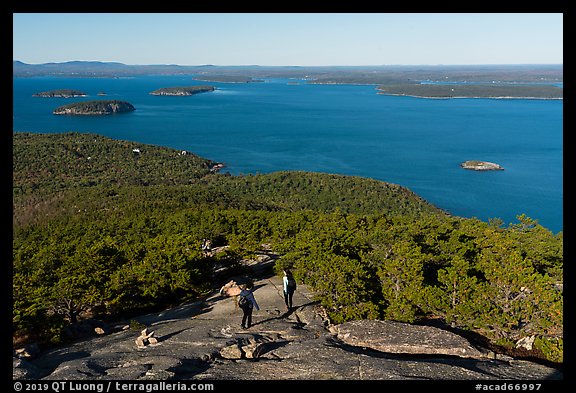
(289, 288)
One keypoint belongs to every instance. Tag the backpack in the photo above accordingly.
(243, 302)
(291, 283)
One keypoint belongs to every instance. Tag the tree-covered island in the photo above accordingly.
(182, 91)
(60, 93)
(97, 107)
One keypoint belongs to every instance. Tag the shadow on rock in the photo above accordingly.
(287, 314)
(182, 312)
(272, 346)
(481, 366)
(45, 366)
(189, 368)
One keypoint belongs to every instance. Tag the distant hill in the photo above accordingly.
(97, 69)
(68, 68)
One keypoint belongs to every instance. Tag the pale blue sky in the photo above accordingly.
(290, 38)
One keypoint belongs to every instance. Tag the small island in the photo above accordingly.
(60, 93)
(481, 166)
(182, 91)
(98, 107)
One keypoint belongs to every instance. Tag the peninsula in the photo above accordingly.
(60, 93)
(463, 90)
(182, 91)
(481, 166)
(97, 107)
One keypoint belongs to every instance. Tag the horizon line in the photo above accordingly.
(291, 65)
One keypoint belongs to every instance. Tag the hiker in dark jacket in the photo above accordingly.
(248, 305)
(289, 288)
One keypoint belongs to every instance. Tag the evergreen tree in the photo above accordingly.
(455, 298)
(521, 300)
(400, 273)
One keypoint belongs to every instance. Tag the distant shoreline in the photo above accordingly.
(480, 90)
(432, 97)
(461, 97)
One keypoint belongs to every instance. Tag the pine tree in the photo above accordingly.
(401, 280)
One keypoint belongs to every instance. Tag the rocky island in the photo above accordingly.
(481, 166)
(97, 107)
(182, 91)
(60, 93)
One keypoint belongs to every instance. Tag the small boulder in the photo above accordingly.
(140, 343)
(28, 352)
(231, 352)
(99, 331)
(526, 342)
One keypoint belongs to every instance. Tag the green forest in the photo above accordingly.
(486, 90)
(106, 228)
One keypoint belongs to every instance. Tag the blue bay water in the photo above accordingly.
(343, 129)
